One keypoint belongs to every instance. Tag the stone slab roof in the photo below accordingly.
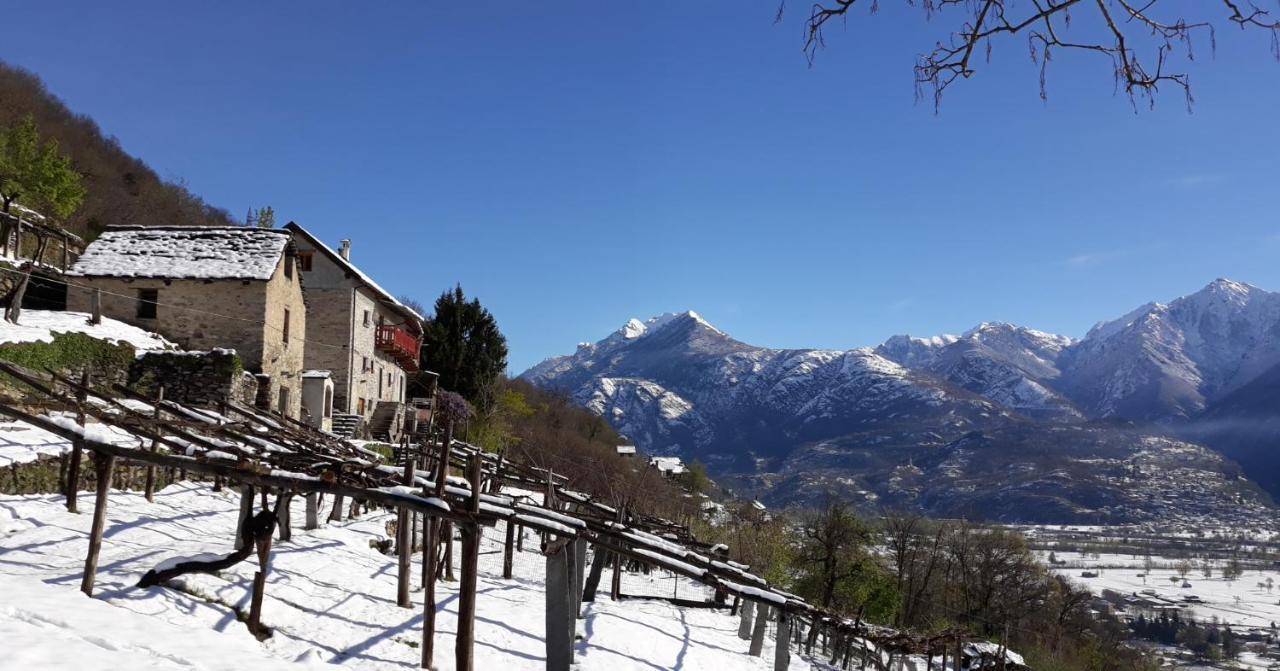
(184, 252)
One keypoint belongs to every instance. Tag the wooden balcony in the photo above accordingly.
(400, 344)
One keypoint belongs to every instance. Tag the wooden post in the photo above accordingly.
(782, 653)
(95, 307)
(508, 549)
(66, 252)
(404, 545)
(813, 635)
(313, 512)
(757, 633)
(104, 464)
(519, 538)
(745, 621)
(559, 620)
(149, 489)
(466, 640)
(14, 310)
(263, 543)
(77, 445)
(430, 537)
(246, 510)
(335, 515)
(580, 574)
(598, 563)
(284, 518)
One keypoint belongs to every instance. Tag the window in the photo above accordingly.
(147, 299)
(379, 383)
(283, 404)
(284, 333)
(304, 261)
(366, 317)
(364, 365)
(360, 407)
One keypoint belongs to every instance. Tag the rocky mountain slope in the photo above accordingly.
(1050, 416)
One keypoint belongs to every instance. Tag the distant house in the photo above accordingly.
(667, 466)
(367, 339)
(206, 288)
(626, 450)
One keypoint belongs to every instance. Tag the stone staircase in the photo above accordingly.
(346, 425)
(387, 422)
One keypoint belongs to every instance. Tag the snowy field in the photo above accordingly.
(330, 599)
(1242, 603)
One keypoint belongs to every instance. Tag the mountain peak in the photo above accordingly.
(635, 328)
(1228, 289)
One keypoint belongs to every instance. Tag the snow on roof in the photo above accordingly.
(671, 465)
(184, 252)
(317, 373)
(40, 325)
(626, 449)
(355, 272)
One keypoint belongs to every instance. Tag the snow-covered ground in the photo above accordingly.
(330, 599)
(40, 325)
(20, 442)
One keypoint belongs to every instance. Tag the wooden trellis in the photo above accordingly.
(250, 449)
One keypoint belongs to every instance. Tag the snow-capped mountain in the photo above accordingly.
(676, 384)
(774, 419)
(1167, 361)
(1011, 365)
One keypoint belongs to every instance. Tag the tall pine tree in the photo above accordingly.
(463, 344)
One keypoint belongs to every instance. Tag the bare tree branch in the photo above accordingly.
(1130, 33)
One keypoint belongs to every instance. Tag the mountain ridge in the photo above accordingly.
(676, 384)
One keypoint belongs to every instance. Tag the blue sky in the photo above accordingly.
(576, 164)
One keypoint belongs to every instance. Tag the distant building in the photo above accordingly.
(627, 450)
(206, 288)
(667, 466)
(368, 340)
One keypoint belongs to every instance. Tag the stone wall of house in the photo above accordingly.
(328, 327)
(244, 315)
(285, 340)
(196, 378)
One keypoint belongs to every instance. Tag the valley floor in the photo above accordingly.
(330, 598)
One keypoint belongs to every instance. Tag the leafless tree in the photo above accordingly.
(1141, 38)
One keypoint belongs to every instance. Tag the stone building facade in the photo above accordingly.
(346, 312)
(206, 288)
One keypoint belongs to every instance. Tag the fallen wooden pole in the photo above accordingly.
(104, 464)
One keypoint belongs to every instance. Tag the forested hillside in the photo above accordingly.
(120, 188)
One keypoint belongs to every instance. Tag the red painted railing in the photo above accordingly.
(400, 344)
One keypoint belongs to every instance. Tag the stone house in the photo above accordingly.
(367, 339)
(206, 288)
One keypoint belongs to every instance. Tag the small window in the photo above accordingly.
(283, 404)
(364, 365)
(366, 318)
(284, 333)
(304, 261)
(360, 407)
(147, 299)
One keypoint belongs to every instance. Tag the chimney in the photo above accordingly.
(345, 250)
